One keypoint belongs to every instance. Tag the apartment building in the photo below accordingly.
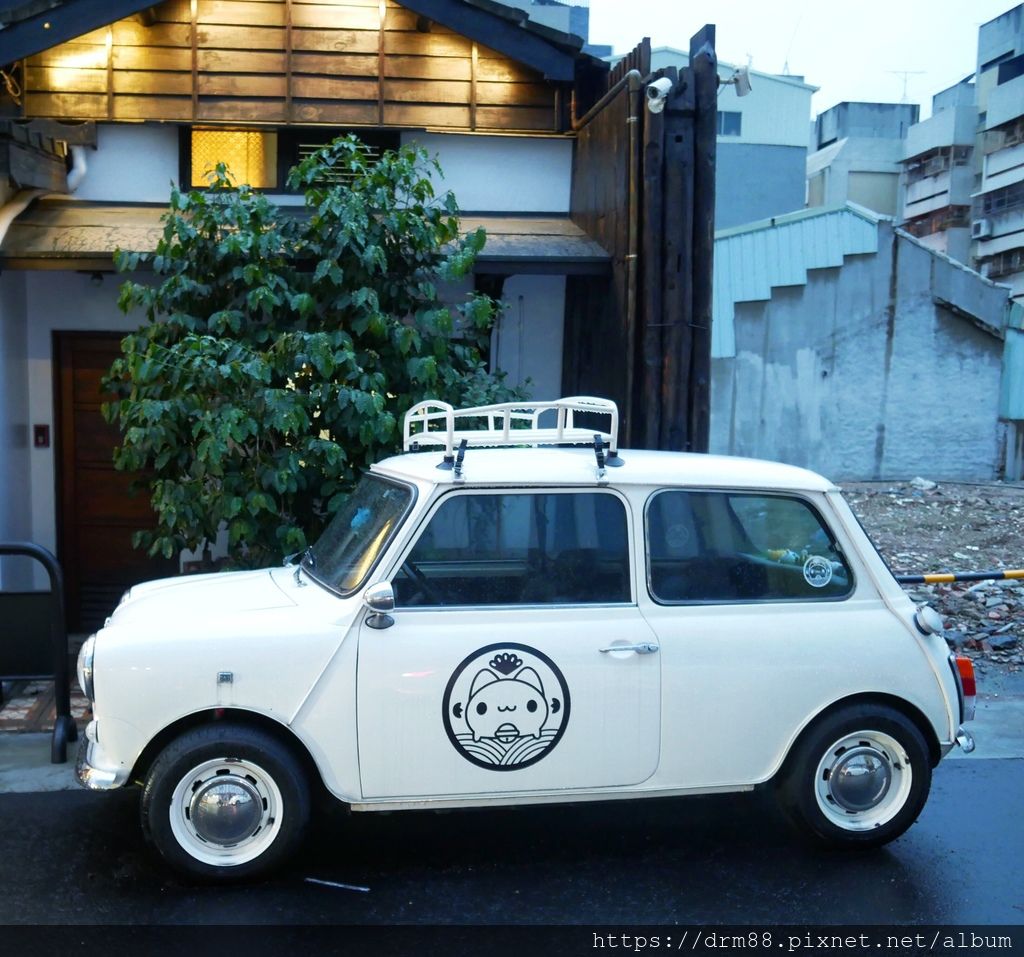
(858, 149)
(963, 169)
(939, 175)
(998, 224)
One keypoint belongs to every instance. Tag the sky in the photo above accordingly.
(851, 49)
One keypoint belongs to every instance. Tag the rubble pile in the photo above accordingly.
(921, 527)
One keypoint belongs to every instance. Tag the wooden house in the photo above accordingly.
(596, 208)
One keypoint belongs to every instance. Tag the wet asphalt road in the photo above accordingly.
(76, 857)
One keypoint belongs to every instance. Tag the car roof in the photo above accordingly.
(578, 466)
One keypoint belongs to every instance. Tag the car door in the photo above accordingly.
(766, 618)
(517, 659)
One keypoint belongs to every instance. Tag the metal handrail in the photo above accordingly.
(64, 729)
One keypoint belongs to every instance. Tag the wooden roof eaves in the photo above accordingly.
(65, 22)
(504, 32)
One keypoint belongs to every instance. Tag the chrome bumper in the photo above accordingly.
(92, 769)
(965, 739)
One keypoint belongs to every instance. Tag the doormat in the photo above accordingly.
(30, 706)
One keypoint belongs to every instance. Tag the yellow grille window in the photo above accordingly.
(250, 155)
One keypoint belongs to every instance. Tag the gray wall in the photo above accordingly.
(823, 379)
(755, 182)
(15, 501)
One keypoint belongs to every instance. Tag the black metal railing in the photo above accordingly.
(34, 641)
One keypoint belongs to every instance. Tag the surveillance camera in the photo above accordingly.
(657, 94)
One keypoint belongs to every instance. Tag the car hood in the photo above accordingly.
(200, 597)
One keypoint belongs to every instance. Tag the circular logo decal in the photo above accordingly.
(817, 571)
(505, 707)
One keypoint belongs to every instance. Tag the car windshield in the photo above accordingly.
(358, 534)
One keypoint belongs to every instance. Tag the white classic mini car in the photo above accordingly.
(501, 616)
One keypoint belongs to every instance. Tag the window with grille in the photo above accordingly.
(262, 158)
(250, 156)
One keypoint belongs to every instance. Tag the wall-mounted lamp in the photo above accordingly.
(740, 79)
(96, 278)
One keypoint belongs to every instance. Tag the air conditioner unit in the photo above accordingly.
(981, 229)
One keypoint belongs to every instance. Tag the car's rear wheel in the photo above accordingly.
(858, 777)
(225, 802)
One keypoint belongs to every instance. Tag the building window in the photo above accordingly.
(263, 158)
(729, 123)
(949, 217)
(1001, 200)
(1004, 264)
(936, 161)
(250, 155)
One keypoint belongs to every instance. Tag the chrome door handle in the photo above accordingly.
(641, 648)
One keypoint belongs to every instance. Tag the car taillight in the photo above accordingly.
(968, 686)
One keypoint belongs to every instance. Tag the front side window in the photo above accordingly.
(358, 534)
(519, 549)
(740, 547)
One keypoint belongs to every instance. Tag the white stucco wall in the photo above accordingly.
(15, 431)
(822, 380)
(137, 163)
(59, 301)
(502, 173)
(526, 344)
(132, 163)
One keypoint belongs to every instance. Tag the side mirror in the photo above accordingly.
(380, 599)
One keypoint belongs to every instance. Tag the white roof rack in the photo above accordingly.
(507, 424)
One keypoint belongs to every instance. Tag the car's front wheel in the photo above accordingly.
(225, 802)
(858, 777)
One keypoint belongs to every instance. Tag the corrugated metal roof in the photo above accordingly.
(752, 260)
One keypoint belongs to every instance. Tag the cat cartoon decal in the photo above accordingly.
(505, 707)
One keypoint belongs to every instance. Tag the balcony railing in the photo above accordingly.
(1000, 200)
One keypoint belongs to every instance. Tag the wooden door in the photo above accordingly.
(96, 512)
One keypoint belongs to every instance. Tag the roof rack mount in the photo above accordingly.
(508, 424)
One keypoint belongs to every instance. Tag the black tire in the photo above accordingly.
(255, 772)
(888, 776)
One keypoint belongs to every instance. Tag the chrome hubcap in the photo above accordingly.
(860, 778)
(863, 780)
(226, 811)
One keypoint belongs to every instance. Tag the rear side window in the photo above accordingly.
(740, 547)
(519, 549)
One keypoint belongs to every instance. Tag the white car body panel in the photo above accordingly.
(716, 707)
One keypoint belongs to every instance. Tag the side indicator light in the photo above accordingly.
(965, 668)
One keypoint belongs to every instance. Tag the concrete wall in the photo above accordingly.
(754, 182)
(823, 378)
(833, 177)
(15, 433)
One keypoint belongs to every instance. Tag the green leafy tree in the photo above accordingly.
(280, 351)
